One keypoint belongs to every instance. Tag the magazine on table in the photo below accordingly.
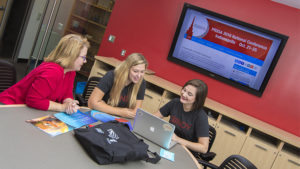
(77, 119)
(61, 122)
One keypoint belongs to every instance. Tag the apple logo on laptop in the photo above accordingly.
(152, 128)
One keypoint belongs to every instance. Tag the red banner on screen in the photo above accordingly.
(238, 40)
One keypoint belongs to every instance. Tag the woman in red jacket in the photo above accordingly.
(50, 85)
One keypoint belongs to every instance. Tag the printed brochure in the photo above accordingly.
(61, 122)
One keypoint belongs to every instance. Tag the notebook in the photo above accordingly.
(154, 129)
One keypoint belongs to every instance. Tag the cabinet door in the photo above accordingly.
(286, 161)
(97, 72)
(151, 101)
(99, 69)
(228, 141)
(164, 101)
(260, 153)
(212, 122)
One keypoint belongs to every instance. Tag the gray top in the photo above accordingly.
(23, 146)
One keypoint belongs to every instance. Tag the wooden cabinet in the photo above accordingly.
(229, 140)
(237, 133)
(260, 154)
(261, 151)
(213, 117)
(286, 161)
(151, 101)
(288, 158)
(99, 69)
(89, 18)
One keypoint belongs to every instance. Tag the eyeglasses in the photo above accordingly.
(83, 57)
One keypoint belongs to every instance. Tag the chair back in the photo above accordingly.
(208, 156)
(8, 75)
(237, 162)
(91, 84)
(212, 136)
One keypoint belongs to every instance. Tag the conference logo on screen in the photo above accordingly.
(198, 27)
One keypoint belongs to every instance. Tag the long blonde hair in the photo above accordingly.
(67, 50)
(121, 76)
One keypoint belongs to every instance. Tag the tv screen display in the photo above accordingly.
(235, 52)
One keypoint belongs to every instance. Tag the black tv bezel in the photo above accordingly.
(255, 92)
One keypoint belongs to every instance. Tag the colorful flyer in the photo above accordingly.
(75, 120)
(50, 125)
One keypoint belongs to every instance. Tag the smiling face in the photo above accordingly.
(136, 73)
(81, 59)
(188, 95)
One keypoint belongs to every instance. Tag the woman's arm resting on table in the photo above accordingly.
(95, 102)
(201, 146)
(69, 106)
(138, 105)
(53, 106)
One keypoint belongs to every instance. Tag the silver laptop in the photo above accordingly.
(154, 129)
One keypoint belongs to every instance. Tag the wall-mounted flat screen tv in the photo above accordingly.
(226, 49)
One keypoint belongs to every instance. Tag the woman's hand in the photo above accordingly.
(128, 113)
(201, 146)
(71, 106)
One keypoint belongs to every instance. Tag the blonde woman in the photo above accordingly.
(121, 91)
(50, 85)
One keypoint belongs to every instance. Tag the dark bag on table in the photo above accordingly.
(113, 142)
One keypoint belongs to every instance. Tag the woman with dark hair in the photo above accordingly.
(188, 116)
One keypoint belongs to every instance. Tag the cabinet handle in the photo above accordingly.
(99, 73)
(230, 133)
(149, 96)
(260, 147)
(294, 162)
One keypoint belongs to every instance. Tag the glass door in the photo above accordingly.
(50, 20)
(43, 32)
